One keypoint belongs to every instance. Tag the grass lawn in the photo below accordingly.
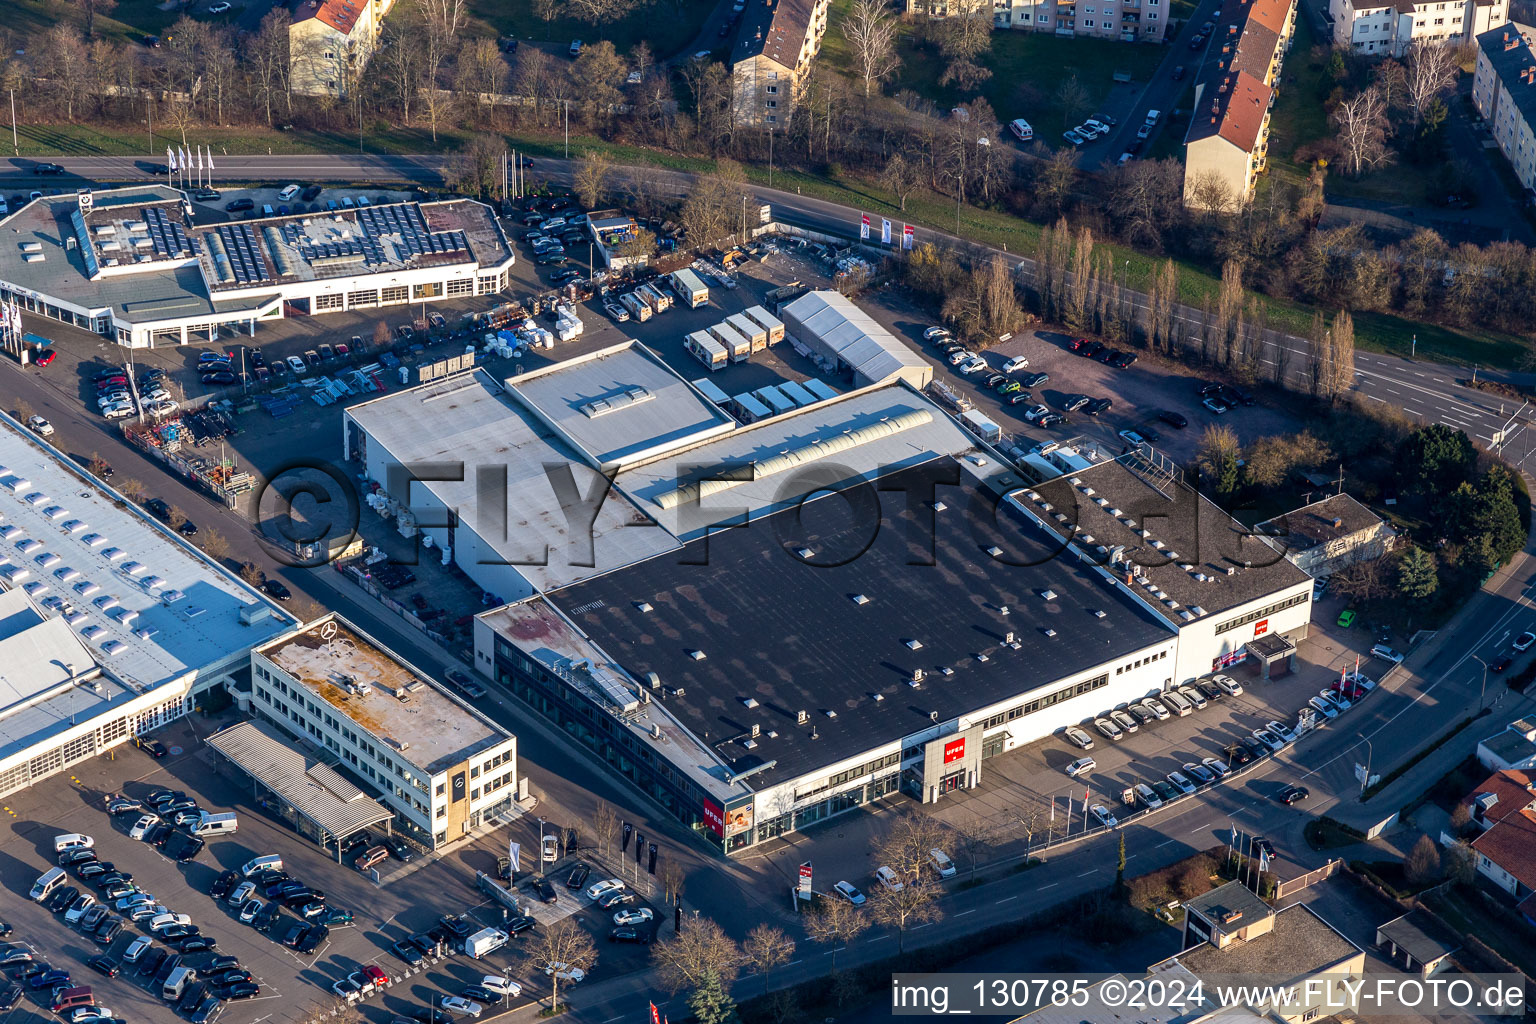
(667, 25)
(130, 21)
(1027, 68)
(1298, 118)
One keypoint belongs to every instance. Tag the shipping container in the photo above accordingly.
(820, 388)
(710, 390)
(748, 409)
(755, 333)
(775, 399)
(797, 394)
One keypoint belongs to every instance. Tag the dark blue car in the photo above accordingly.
(49, 979)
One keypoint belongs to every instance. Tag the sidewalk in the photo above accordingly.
(1379, 813)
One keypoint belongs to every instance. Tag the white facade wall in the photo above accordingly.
(1390, 32)
(1510, 129)
(1127, 681)
(419, 797)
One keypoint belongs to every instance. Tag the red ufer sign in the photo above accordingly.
(954, 750)
(1261, 627)
(714, 817)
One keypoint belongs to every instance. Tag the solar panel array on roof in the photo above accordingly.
(245, 259)
(168, 237)
(406, 221)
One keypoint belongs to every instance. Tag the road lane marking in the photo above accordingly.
(1005, 899)
(961, 914)
(1085, 874)
(1048, 885)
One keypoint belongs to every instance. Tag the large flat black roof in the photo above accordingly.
(794, 636)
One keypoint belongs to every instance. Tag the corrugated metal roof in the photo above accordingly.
(310, 786)
(833, 327)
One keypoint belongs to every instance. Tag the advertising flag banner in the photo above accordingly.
(629, 830)
(650, 867)
(885, 231)
(655, 1015)
(514, 854)
(906, 236)
(170, 158)
(864, 227)
(639, 846)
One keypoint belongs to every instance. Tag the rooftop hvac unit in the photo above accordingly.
(801, 717)
(756, 730)
(750, 702)
(654, 680)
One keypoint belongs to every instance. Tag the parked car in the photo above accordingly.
(1294, 794)
(1386, 653)
(1078, 737)
(849, 892)
(1101, 812)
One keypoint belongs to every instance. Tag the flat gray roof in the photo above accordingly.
(1419, 935)
(149, 607)
(827, 446)
(1302, 944)
(468, 418)
(620, 404)
(309, 785)
(331, 658)
(1232, 907)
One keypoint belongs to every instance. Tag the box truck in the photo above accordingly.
(690, 288)
(658, 300)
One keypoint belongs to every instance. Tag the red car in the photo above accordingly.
(46, 356)
(375, 974)
(1077, 344)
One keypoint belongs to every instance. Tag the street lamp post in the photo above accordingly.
(1366, 779)
(1483, 690)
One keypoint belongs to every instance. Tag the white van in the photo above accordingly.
(50, 880)
(269, 862)
(1181, 706)
(216, 824)
(71, 840)
(1021, 129)
(176, 983)
(888, 878)
(288, 192)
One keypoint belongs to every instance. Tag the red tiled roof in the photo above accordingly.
(1271, 14)
(1511, 844)
(1246, 107)
(1511, 787)
(777, 29)
(340, 15)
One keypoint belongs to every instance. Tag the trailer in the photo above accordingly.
(638, 307)
(797, 394)
(755, 333)
(747, 408)
(658, 300)
(981, 425)
(710, 390)
(736, 343)
(820, 388)
(767, 321)
(690, 288)
(707, 350)
(775, 399)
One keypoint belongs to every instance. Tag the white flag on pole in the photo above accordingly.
(181, 158)
(514, 851)
(199, 158)
(170, 158)
(210, 159)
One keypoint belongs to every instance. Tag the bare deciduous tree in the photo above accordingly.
(671, 877)
(1431, 72)
(903, 178)
(605, 825)
(767, 947)
(914, 903)
(561, 949)
(836, 924)
(591, 178)
(215, 544)
(1362, 125)
(702, 948)
(871, 33)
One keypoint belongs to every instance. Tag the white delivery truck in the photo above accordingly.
(736, 343)
(486, 940)
(638, 307)
(981, 426)
(707, 350)
(690, 288)
(755, 333)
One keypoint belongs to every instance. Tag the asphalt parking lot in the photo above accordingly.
(293, 985)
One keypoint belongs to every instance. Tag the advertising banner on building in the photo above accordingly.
(714, 817)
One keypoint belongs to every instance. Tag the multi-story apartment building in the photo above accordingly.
(330, 42)
(1227, 145)
(439, 764)
(773, 53)
(1387, 28)
(1504, 90)
(1131, 21)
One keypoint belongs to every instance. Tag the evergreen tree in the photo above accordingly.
(711, 1003)
(1417, 576)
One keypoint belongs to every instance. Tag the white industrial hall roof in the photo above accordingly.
(620, 405)
(148, 606)
(470, 419)
(835, 329)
